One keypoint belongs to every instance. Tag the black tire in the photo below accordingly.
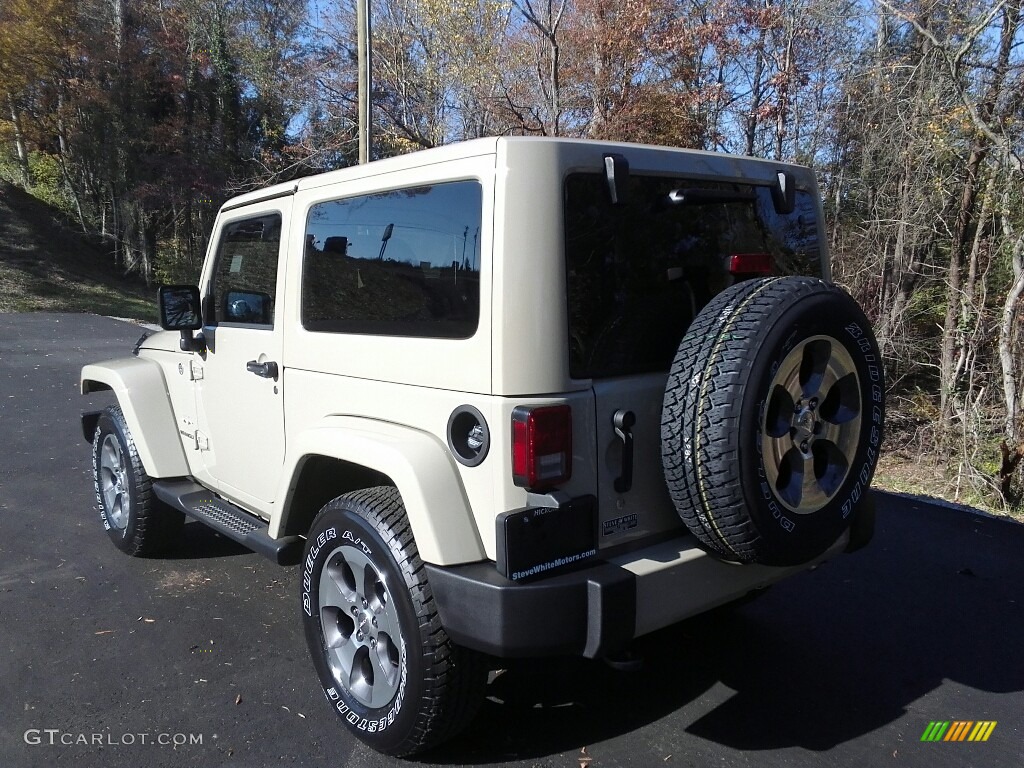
(755, 476)
(137, 522)
(385, 662)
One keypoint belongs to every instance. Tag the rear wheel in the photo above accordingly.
(772, 420)
(386, 664)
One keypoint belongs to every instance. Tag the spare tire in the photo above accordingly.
(772, 420)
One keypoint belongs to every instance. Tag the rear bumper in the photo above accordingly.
(598, 609)
(589, 612)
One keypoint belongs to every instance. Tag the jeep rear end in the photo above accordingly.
(604, 254)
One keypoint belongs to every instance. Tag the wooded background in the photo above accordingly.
(139, 117)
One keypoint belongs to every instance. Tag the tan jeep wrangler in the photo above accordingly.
(512, 397)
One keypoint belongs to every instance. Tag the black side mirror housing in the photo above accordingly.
(180, 310)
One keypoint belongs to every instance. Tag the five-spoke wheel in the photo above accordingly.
(362, 631)
(113, 482)
(772, 420)
(812, 424)
(387, 666)
(136, 521)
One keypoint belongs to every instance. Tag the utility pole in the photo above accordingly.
(365, 55)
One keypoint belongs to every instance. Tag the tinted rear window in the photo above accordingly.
(639, 273)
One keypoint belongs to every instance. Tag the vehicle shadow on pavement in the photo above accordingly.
(818, 660)
(199, 541)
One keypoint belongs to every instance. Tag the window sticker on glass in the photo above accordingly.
(245, 276)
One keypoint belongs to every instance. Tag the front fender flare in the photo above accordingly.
(142, 394)
(418, 464)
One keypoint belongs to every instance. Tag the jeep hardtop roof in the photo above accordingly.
(765, 169)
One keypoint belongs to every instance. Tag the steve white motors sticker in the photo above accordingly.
(619, 524)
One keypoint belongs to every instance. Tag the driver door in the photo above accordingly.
(239, 386)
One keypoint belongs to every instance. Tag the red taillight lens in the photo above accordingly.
(751, 264)
(541, 446)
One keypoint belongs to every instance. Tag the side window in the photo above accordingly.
(245, 272)
(398, 263)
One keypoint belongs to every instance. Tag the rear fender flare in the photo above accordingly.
(418, 465)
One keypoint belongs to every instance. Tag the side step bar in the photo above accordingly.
(228, 520)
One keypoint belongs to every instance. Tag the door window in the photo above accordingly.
(245, 273)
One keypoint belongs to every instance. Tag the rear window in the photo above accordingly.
(638, 273)
(404, 262)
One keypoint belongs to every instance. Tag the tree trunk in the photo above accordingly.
(552, 88)
(147, 230)
(755, 97)
(556, 90)
(1007, 320)
(62, 155)
(782, 118)
(952, 337)
(19, 143)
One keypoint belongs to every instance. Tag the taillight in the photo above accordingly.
(541, 446)
(751, 265)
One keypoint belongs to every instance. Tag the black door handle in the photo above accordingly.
(263, 370)
(623, 422)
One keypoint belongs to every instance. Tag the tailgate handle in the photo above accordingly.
(623, 422)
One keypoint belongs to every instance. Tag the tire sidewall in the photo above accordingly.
(384, 728)
(792, 538)
(111, 423)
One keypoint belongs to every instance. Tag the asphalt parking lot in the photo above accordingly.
(198, 658)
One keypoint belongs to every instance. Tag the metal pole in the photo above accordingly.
(365, 56)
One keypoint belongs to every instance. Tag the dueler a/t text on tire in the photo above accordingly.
(772, 420)
(137, 522)
(385, 662)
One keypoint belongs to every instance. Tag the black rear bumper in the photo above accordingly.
(589, 612)
(599, 608)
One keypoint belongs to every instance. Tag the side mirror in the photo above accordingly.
(784, 192)
(180, 311)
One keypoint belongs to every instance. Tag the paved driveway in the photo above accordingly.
(844, 666)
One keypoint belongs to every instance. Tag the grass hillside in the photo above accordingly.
(46, 263)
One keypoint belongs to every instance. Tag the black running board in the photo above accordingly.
(228, 520)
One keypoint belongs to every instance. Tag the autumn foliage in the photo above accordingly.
(140, 117)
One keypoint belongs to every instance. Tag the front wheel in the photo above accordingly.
(386, 664)
(137, 522)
